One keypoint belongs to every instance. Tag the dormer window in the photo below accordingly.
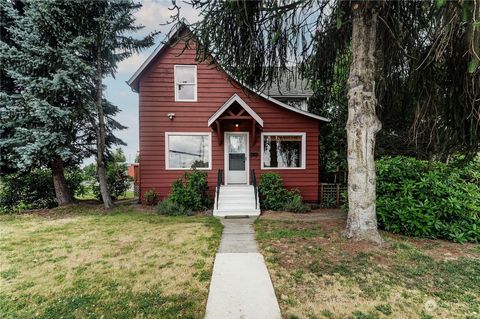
(185, 83)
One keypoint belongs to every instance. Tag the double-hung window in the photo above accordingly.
(283, 150)
(188, 150)
(185, 77)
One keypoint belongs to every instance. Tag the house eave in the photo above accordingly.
(133, 82)
(243, 104)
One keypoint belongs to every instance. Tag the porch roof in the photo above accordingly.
(242, 103)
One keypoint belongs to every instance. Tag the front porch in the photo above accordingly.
(236, 126)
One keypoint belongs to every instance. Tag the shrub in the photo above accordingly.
(295, 204)
(272, 191)
(276, 197)
(190, 191)
(170, 208)
(428, 199)
(117, 176)
(150, 197)
(33, 190)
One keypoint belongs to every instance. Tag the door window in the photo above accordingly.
(237, 146)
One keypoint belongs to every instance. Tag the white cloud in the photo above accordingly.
(130, 65)
(153, 15)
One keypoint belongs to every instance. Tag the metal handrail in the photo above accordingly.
(219, 183)
(254, 183)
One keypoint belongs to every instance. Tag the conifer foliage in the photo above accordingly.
(43, 101)
(54, 56)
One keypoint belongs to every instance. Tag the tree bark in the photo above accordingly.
(101, 169)
(362, 126)
(62, 193)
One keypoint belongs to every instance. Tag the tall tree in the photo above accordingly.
(362, 124)
(425, 91)
(46, 108)
(257, 41)
(41, 101)
(109, 27)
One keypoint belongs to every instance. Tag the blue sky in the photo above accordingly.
(151, 15)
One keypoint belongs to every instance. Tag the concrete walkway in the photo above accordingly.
(240, 286)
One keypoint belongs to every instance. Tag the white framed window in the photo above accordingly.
(283, 150)
(188, 150)
(185, 77)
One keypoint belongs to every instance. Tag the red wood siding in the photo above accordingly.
(157, 99)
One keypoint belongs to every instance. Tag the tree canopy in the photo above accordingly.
(427, 81)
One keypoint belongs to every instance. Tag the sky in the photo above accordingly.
(152, 14)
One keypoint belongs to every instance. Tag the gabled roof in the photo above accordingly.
(230, 101)
(291, 86)
(172, 36)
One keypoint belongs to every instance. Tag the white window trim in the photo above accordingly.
(176, 84)
(304, 149)
(167, 164)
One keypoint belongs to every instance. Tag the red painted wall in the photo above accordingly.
(156, 93)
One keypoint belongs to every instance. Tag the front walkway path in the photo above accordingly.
(240, 286)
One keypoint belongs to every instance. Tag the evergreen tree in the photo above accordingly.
(42, 102)
(108, 26)
(46, 105)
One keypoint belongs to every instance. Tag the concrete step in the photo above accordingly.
(236, 201)
(240, 208)
(236, 194)
(236, 212)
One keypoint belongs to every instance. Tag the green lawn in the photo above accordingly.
(83, 262)
(319, 274)
(91, 196)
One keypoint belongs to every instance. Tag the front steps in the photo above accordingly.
(236, 200)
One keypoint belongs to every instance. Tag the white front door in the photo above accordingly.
(236, 158)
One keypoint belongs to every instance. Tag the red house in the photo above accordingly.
(194, 114)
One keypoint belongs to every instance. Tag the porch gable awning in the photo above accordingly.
(242, 103)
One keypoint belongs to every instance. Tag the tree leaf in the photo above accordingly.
(441, 3)
(472, 66)
(339, 22)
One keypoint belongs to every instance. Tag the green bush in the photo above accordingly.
(190, 191)
(150, 197)
(276, 197)
(117, 176)
(33, 190)
(295, 204)
(272, 192)
(429, 199)
(170, 208)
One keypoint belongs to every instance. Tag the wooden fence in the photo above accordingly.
(331, 194)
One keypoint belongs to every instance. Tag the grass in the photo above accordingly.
(319, 274)
(82, 262)
(129, 194)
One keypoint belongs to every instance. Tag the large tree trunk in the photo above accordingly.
(102, 172)
(362, 126)
(62, 193)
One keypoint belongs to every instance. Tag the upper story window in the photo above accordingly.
(185, 83)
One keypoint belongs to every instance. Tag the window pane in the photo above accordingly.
(186, 151)
(185, 74)
(237, 143)
(282, 151)
(186, 92)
